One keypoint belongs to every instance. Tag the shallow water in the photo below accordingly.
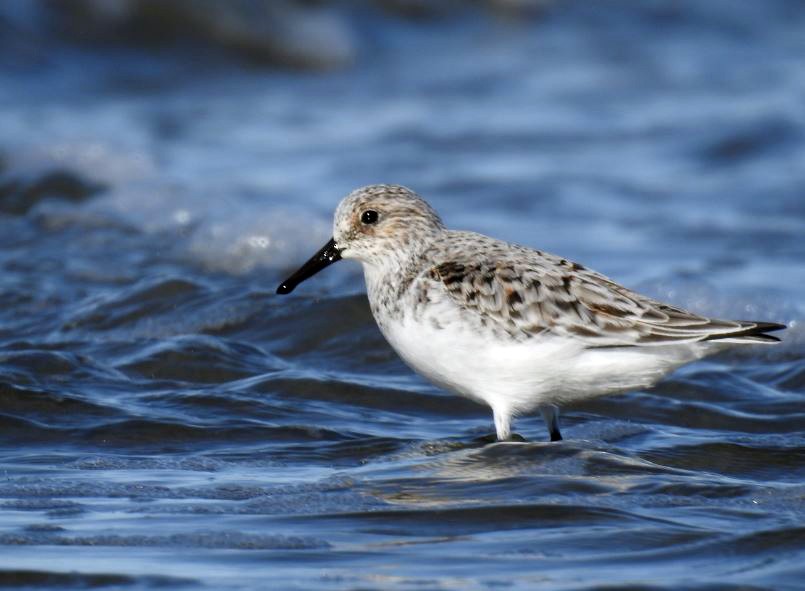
(167, 421)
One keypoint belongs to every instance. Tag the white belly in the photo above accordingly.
(520, 376)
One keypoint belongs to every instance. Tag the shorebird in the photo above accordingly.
(505, 325)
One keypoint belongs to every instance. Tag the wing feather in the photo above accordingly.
(545, 293)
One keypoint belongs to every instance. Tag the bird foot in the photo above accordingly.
(493, 438)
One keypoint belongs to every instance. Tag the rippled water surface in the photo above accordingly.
(167, 421)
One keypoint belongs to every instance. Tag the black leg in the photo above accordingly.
(550, 414)
(556, 435)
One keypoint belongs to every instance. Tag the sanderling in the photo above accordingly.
(508, 326)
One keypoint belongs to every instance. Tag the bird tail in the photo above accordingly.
(749, 332)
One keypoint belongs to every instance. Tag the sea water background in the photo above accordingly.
(166, 420)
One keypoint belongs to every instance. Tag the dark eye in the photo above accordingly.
(369, 216)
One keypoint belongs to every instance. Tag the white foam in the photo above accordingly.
(222, 228)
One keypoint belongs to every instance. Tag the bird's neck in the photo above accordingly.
(390, 272)
(388, 279)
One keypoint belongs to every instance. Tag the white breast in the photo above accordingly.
(520, 376)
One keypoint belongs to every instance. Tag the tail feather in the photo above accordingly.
(750, 332)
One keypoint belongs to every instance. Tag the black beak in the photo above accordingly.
(324, 258)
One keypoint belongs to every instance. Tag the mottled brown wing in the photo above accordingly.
(554, 295)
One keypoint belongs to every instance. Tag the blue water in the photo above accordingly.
(167, 421)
